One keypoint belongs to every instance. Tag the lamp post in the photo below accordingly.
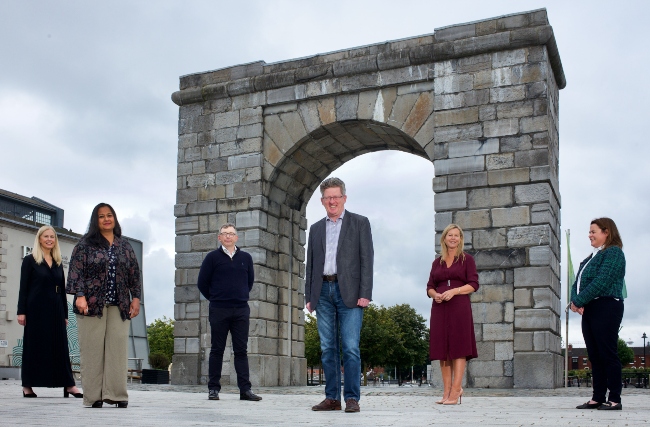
(644, 337)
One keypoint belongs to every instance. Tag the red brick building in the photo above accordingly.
(578, 358)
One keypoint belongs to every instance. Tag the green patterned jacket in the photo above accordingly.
(603, 277)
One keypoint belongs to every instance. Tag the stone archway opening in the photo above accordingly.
(480, 100)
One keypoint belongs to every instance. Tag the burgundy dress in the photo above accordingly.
(452, 325)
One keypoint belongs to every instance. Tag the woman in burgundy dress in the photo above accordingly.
(453, 277)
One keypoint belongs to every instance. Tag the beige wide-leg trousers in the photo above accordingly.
(104, 356)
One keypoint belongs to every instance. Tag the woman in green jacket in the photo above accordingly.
(597, 295)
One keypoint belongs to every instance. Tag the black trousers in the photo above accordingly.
(600, 323)
(235, 321)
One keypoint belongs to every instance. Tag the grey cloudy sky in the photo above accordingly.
(86, 116)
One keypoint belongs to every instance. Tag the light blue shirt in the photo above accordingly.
(332, 233)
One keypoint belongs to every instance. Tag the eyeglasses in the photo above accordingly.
(331, 198)
(231, 235)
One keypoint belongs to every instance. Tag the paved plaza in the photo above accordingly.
(168, 405)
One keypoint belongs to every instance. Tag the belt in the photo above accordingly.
(330, 278)
(56, 289)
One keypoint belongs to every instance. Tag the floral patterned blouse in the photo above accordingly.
(90, 274)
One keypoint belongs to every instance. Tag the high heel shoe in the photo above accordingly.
(457, 401)
(67, 393)
(32, 394)
(441, 401)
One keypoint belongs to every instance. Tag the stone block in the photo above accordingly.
(442, 220)
(508, 176)
(457, 133)
(189, 293)
(523, 298)
(534, 124)
(506, 217)
(450, 201)
(226, 120)
(503, 350)
(202, 207)
(546, 298)
(183, 244)
(509, 312)
(251, 219)
(346, 107)
(498, 332)
(491, 277)
(186, 328)
(535, 319)
(473, 148)
(487, 239)
(179, 345)
(485, 350)
(500, 258)
(533, 277)
(473, 219)
(501, 127)
(499, 161)
(459, 165)
(547, 373)
(467, 180)
(489, 197)
(189, 260)
(439, 183)
(187, 225)
(523, 341)
(508, 58)
(192, 345)
(516, 143)
(456, 116)
(546, 341)
(508, 94)
(501, 382)
(529, 236)
(532, 158)
(453, 83)
(533, 193)
(185, 369)
(484, 312)
(484, 368)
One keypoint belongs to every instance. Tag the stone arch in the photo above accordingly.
(480, 100)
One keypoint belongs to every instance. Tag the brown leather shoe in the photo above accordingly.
(352, 405)
(327, 405)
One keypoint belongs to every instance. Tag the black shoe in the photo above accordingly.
(611, 406)
(67, 393)
(248, 395)
(213, 395)
(123, 404)
(588, 405)
(97, 404)
(29, 395)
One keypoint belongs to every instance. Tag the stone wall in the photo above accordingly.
(480, 100)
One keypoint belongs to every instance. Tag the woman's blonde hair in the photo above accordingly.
(443, 246)
(37, 252)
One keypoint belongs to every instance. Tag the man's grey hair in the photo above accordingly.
(332, 183)
(228, 225)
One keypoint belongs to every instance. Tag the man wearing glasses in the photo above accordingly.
(338, 286)
(226, 279)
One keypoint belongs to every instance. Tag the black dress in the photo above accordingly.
(46, 360)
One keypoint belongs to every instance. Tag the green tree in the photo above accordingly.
(625, 353)
(413, 350)
(312, 342)
(379, 337)
(160, 334)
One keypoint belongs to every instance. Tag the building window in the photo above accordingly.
(643, 360)
(584, 360)
(574, 360)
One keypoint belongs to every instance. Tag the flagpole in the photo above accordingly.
(568, 296)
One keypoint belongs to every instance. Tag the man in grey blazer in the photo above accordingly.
(338, 286)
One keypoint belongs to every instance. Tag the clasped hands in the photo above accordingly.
(578, 310)
(134, 308)
(445, 296)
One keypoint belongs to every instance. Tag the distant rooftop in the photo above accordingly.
(31, 209)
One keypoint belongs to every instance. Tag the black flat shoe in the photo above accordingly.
(118, 403)
(29, 395)
(248, 395)
(588, 405)
(97, 404)
(67, 393)
(610, 406)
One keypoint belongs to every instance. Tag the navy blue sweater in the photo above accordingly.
(226, 282)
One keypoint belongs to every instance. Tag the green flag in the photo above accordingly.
(571, 275)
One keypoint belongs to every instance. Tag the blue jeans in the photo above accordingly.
(334, 317)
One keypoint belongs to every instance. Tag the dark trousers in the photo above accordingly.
(600, 323)
(235, 321)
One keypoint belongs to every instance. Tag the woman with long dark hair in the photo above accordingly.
(597, 295)
(43, 311)
(104, 277)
